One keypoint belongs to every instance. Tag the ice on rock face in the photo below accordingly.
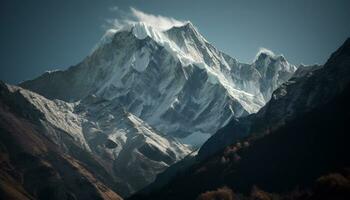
(140, 60)
(141, 31)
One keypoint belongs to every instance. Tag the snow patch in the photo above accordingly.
(140, 60)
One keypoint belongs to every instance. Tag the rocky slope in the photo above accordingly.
(276, 116)
(130, 151)
(33, 166)
(310, 87)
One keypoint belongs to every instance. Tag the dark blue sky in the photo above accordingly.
(41, 35)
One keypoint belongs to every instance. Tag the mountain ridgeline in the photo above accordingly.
(174, 80)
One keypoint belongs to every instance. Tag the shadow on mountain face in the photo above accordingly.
(296, 155)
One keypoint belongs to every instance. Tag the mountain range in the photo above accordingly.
(145, 100)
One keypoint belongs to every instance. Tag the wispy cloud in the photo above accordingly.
(158, 21)
(134, 15)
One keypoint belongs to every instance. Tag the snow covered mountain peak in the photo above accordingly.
(266, 54)
(187, 26)
(173, 79)
(144, 89)
(273, 69)
(141, 30)
(265, 57)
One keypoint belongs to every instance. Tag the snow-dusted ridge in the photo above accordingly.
(105, 130)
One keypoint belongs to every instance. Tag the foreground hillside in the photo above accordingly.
(113, 143)
(35, 167)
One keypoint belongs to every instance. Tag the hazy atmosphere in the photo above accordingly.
(49, 34)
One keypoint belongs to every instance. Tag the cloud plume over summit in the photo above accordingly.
(134, 16)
